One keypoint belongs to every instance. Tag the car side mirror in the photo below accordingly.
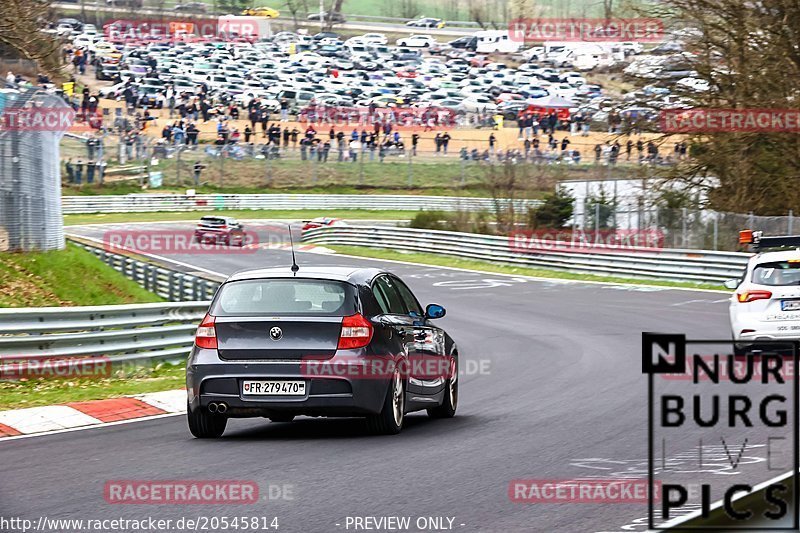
(731, 283)
(434, 311)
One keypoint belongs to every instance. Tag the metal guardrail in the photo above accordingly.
(170, 284)
(205, 202)
(664, 264)
(117, 333)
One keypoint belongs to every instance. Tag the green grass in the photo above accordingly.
(66, 277)
(42, 391)
(353, 214)
(485, 266)
(133, 187)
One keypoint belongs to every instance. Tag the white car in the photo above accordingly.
(375, 38)
(417, 41)
(766, 304)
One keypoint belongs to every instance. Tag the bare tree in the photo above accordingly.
(20, 22)
(748, 53)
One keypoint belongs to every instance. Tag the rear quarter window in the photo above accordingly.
(777, 273)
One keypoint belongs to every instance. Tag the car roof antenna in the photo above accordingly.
(295, 268)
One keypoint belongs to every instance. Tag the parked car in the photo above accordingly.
(417, 41)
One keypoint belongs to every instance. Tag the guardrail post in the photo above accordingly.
(171, 285)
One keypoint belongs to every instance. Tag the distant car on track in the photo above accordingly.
(323, 222)
(426, 22)
(334, 17)
(225, 230)
(269, 336)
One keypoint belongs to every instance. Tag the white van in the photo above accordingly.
(491, 41)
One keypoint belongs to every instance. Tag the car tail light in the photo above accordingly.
(751, 296)
(356, 332)
(206, 336)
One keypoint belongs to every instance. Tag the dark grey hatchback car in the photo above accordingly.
(320, 342)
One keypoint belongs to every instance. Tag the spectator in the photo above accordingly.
(90, 167)
(414, 142)
(284, 110)
(492, 142)
(197, 169)
(68, 167)
(355, 147)
(78, 172)
(438, 142)
(628, 149)
(445, 140)
(598, 151)
(564, 144)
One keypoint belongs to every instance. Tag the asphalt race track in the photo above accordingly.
(551, 388)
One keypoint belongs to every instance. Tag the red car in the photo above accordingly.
(323, 222)
(224, 230)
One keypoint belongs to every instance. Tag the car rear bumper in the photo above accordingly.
(211, 379)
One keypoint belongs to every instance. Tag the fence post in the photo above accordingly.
(361, 166)
(267, 158)
(463, 172)
(683, 228)
(716, 231)
(596, 219)
(789, 222)
(178, 164)
(410, 170)
(222, 167)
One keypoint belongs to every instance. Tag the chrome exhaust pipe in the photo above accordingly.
(212, 407)
(222, 407)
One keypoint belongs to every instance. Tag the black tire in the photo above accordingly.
(205, 425)
(281, 418)
(385, 422)
(449, 404)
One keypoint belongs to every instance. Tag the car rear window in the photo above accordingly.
(211, 221)
(777, 273)
(277, 297)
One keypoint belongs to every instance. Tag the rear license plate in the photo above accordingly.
(790, 305)
(274, 388)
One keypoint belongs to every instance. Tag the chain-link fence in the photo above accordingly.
(680, 227)
(31, 125)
